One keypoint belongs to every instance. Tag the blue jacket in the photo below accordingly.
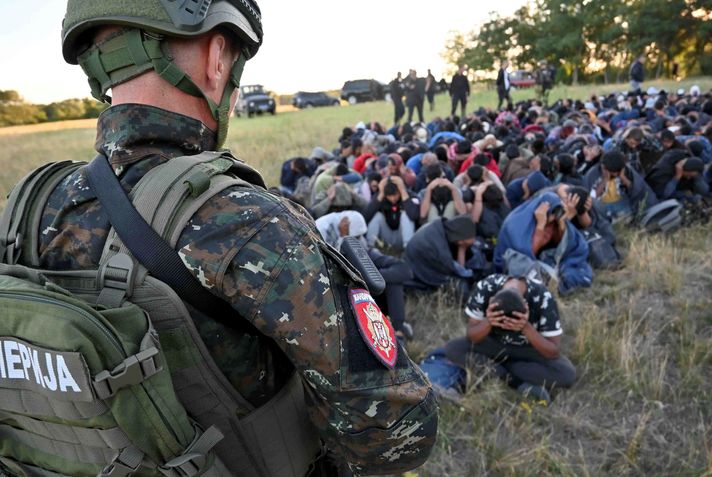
(444, 135)
(571, 254)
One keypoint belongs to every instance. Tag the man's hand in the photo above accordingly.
(344, 225)
(518, 322)
(605, 174)
(542, 214)
(570, 203)
(588, 205)
(494, 315)
(480, 188)
(591, 152)
(434, 183)
(679, 169)
(625, 180)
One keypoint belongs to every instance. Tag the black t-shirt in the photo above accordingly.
(543, 311)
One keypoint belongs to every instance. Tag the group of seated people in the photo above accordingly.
(504, 207)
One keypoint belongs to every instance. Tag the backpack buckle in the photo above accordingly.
(116, 280)
(8, 246)
(133, 370)
(125, 464)
(196, 457)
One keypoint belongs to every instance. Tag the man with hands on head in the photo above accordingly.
(514, 324)
(441, 198)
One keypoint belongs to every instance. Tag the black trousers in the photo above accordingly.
(514, 364)
(462, 99)
(412, 106)
(504, 94)
(399, 110)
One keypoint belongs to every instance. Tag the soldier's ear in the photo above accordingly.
(219, 61)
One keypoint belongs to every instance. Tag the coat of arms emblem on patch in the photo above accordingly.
(375, 328)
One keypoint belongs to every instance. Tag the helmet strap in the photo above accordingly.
(130, 53)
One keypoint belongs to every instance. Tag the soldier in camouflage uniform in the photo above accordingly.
(260, 253)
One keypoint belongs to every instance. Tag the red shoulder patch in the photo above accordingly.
(375, 328)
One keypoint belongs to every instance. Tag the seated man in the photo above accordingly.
(618, 187)
(678, 176)
(489, 210)
(391, 216)
(540, 230)
(335, 227)
(519, 190)
(440, 199)
(295, 171)
(438, 253)
(524, 345)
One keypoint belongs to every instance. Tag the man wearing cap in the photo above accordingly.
(174, 75)
(519, 190)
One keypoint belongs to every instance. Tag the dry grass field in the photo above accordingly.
(641, 337)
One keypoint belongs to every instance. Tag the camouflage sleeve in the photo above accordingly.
(293, 288)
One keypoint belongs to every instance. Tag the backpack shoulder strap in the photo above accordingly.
(134, 230)
(23, 212)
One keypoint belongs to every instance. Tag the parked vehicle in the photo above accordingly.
(359, 91)
(304, 99)
(254, 100)
(522, 79)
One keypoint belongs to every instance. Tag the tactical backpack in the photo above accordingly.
(103, 372)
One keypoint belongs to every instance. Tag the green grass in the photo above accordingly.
(641, 338)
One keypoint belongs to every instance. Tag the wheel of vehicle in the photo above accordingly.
(250, 114)
(336, 102)
(309, 106)
(272, 112)
(353, 100)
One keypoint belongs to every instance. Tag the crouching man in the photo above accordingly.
(514, 324)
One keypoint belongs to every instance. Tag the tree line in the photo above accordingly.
(14, 110)
(593, 40)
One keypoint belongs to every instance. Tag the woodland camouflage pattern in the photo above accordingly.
(264, 256)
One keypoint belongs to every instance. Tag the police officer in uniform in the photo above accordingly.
(173, 85)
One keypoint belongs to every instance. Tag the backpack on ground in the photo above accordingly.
(103, 372)
(665, 217)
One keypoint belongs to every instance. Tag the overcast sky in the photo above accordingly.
(309, 44)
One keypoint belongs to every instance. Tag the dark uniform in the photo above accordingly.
(263, 255)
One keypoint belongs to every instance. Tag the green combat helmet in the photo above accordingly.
(141, 47)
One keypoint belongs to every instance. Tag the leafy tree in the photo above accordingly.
(10, 95)
(16, 113)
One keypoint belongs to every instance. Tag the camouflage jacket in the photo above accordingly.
(264, 256)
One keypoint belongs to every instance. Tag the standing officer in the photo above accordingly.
(414, 94)
(545, 81)
(396, 87)
(503, 85)
(174, 74)
(459, 91)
